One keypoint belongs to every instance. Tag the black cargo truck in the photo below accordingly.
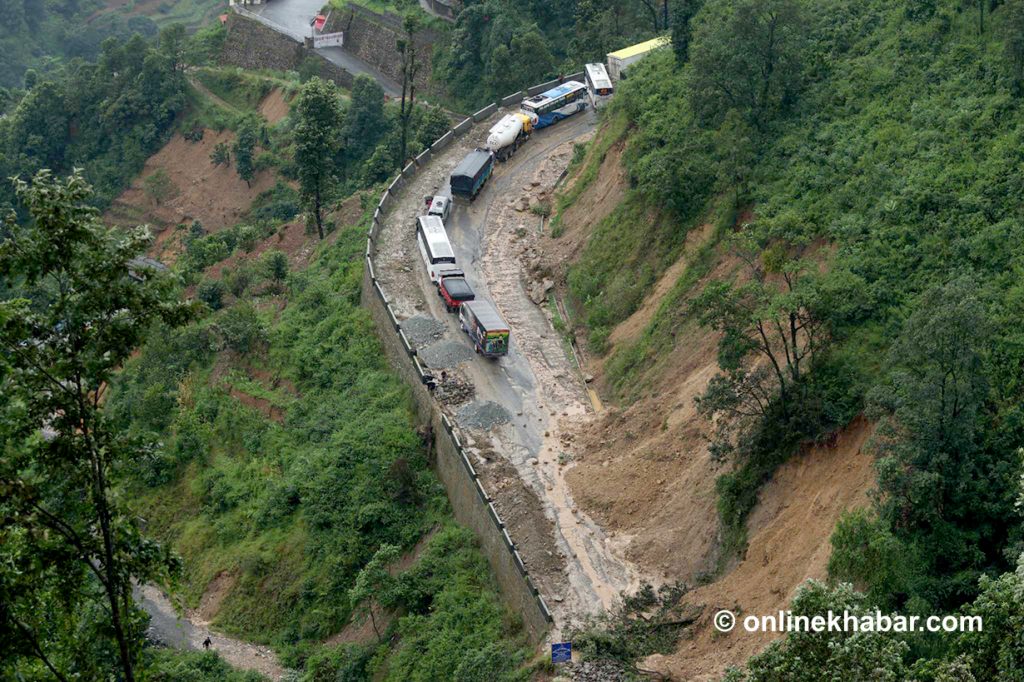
(471, 174)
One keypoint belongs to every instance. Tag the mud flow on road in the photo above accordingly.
(514, 420)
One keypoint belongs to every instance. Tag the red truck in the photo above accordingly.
(453, 288)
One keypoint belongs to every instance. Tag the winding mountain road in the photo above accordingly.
(531, 394)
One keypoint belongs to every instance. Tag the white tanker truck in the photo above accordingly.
(510, 132)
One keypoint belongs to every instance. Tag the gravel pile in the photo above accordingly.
(454, 391)
(445, 354)
(483, 415)
(422, 331)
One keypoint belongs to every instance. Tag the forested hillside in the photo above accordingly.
(497, 47)
(257, 455)
(39, 37)
(791, 259)
(858, 167)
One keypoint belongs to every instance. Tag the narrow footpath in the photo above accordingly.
(166, 627)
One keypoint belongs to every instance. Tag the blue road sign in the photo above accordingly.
(561, 652)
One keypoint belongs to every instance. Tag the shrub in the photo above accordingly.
(241, 328)
(275, 265)
(211, 292)
(221, 154)
(239, 280)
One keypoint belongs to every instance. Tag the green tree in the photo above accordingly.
(867, 554)
(241, 328)
(275, 263)
(173, 46)
(682, 12)
(245, 144)
(1013, 42)
(317, 130)
(734, 149)
(659, 13)
(996, 652)
(941, 488)
(365, 121)
(84, 318)
(813, 656)
(376, 584)
(747, 55)
(211, 292)
(406, 46)
(770, 331)
(221, 154)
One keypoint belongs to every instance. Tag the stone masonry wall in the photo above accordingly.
(251, 45)
(372, 37)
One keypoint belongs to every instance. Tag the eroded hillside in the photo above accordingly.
(794, 298)
(643, 469)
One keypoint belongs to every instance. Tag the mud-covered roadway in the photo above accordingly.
(512, 412)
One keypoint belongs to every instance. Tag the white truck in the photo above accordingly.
(507, 134)
(619, 60)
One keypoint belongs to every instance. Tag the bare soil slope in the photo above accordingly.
(274, 106)
(789, 543)
(644, 472)
(199, 190)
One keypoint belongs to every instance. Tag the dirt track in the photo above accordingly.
(513, 419)
(188, 633)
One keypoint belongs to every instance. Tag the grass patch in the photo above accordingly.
(619, 266)
(629, 365)
(236, 87)
(584, 167)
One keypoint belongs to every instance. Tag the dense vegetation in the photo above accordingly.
(71, 315)
(107, 116)
(297, 507)
(270, 442)
(496, 48)
(880, 139)
(40, 37)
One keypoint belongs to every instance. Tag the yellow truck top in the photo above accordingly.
(639, 48)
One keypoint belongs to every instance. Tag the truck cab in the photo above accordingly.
(453, 289)
(441, 207)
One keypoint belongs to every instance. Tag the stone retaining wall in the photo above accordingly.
(251, 45)
(372, 37)
(470, 502)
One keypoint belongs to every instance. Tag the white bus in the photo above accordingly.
(434, 246)
(557, 103)
(599, 85)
